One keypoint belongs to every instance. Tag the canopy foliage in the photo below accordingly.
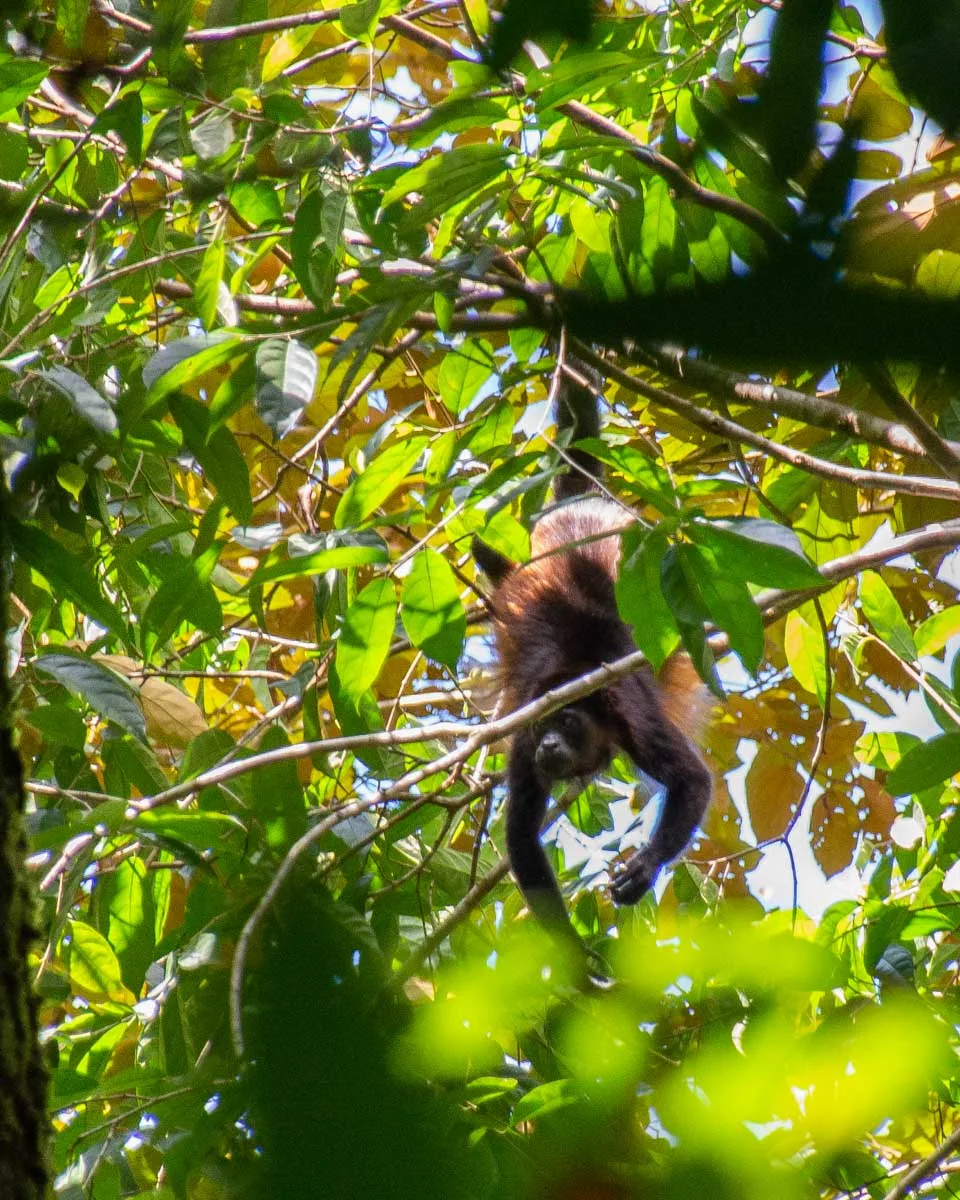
(283, 293)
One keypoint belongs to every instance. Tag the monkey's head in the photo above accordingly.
(571, 742)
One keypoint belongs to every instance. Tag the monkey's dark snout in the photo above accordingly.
(553, 755)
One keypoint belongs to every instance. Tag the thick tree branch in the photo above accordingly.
(941, 536)
(774, 603)
(711, 422)
(786, 401)
(939, 450)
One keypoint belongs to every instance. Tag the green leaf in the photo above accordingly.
(926, 765)
(881, 609)
(336, 551)
(806, 654)
(757, 551)
(286, 378)
(931, 635)
(315, 243)
(186, 595)
(206, 290)
(547, 1098)
(388, 470)
(640, 598)
(124, 116)
(939, 274)
(217, 453)
(231, 63)
(456, 115)
(360, 20)
(463, 372)
(658, 241)
(178, 363)
(203, 832)
(378, 324)
(431, 609)
(72, 21)
(277, 795)
(451, 175)
(681, 590)
(107, 692)
(365, 638)
(67, 576)
(86, 400)
(60, 724)
(642, 476)
(358, 714)
(14, 153)
(93, 966)
(19, 77)
(124, 906)
(730, 605)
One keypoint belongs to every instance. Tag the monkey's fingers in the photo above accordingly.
(633, 880)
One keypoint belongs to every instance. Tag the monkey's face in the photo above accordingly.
(571, 742)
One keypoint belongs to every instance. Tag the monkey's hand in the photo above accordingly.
(636, 877)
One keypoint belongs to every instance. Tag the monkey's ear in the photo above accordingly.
(495, 566)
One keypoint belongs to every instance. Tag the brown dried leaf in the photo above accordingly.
(834, 825)
(173, 719)
(774, 787)
(877, 810)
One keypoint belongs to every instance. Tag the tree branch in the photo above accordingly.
(813, 410)
(711, 422)
(924, 1168)
(939, 450)
(680, 182)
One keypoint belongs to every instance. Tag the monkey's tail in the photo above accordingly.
(578, 411)
(685, 699)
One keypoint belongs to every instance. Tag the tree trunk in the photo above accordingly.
(23, 1174)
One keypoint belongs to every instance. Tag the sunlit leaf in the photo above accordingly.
(806, 652)
(94, 967)
(885, 616)
(388, 470)
(926, 765)
(366, 635)
(431, 609)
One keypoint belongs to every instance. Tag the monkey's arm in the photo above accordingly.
(660, 749)
(527, 798)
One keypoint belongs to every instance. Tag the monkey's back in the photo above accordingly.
(555, 617)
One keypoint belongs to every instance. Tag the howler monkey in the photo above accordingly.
(554, 619)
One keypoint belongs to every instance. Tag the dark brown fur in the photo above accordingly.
(555, 618)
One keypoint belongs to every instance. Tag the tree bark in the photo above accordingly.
(23, 1082)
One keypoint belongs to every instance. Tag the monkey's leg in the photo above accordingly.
(663, 752)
